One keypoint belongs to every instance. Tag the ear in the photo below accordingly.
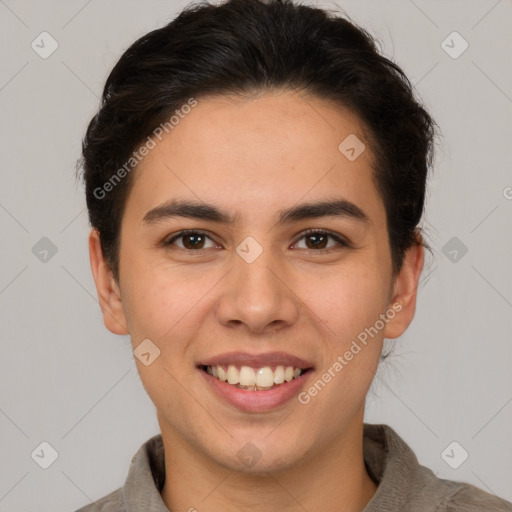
(405, 288)
(109, 293)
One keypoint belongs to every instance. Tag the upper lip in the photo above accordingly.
(257, 360)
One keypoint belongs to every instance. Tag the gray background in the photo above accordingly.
(66, 380)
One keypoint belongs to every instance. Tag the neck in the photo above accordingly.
(335, 479)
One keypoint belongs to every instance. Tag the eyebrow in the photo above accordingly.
(203, 211)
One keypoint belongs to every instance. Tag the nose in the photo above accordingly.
(258, 295)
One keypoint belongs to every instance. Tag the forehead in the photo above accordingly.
(255, 156)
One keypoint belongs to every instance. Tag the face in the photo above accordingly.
(306, 283)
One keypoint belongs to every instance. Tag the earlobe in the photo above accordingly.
(405, 290)
(109, 293)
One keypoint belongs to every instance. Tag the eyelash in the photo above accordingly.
(342, 243)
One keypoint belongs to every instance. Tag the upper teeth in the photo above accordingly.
(261, 377)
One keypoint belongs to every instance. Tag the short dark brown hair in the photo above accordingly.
(245, 46)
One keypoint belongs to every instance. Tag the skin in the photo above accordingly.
(256, 157)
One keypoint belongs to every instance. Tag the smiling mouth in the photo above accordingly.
(255, 379)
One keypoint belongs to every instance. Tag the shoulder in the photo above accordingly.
(109, 503)
(405, 484)
(141, 489)
(468, 498)
(430, 493)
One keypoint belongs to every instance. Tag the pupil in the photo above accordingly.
(317, 236)
(193, 237)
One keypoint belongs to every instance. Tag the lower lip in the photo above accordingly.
(257, 401)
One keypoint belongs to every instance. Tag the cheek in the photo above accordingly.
(347, 300)
(169, 306)
(156, 297)
(350, 304)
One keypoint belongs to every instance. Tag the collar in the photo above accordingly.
(388, 459)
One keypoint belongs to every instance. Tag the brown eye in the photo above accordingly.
(191, 240)
(317, 240)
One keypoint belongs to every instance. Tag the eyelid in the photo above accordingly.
(169, 241)
(341, 241)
